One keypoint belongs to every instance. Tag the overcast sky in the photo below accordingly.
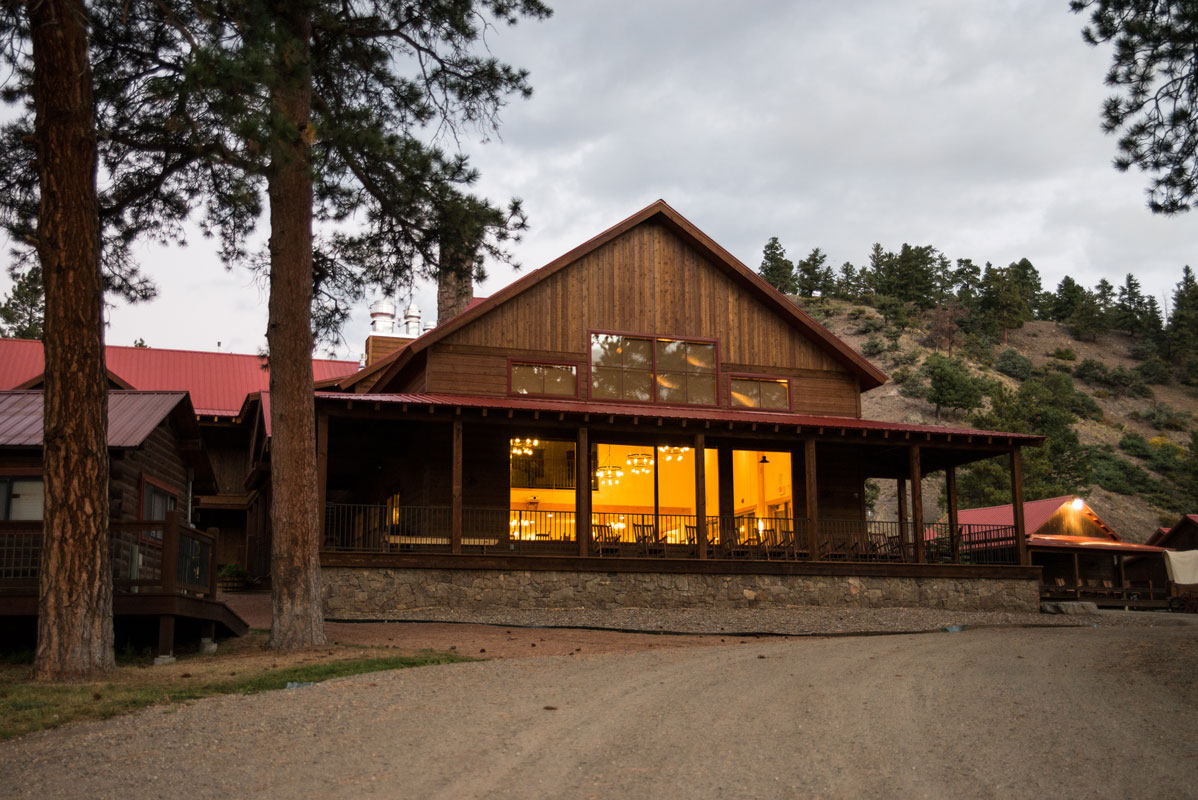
(970, 126)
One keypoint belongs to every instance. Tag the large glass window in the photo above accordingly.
(155, 502)
(552, 379)
(644, 370)
(21, 499)
(761, 393)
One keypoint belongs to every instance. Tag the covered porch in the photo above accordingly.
(412, 478)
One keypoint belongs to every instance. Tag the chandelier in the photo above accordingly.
(523, 447)
(672, 453)
(607, 474)
(640, 463)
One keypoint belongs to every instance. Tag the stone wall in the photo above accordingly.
(385, 593)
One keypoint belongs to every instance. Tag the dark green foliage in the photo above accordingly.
(950, 385)
(814, 275)
(1155, 113)
(778, 270)
(1143, 349)
(1135, 445)
(1011, 362)
(1164, 417)
(1154, 371)
(22, 311)
(1068, 296)
(1088, 320)
(870, 325)
(1119, 475)
(1119, 381)
(979, 348)
(1064, 354)
(873, 347)
(902, 375)
(907, 358)
(1181, 335)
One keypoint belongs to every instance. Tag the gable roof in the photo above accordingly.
(1035, 514)
(1162, 535)
(868, 375)
(132, 416)
(217, 382)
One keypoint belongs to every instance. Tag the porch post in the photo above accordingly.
(455, 511)
(812, 492)
(727, 508)
(1122, 576)
(1017, 506)
(797, 490)
(322, 470)
(954, 529)
(916, 502)
(701, 494)
(582, 492)
(1077, 576)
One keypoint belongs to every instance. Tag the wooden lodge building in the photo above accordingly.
(642, 421)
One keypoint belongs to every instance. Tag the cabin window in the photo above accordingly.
(646, 370)
(21, 499)
(559, 380)
(766, 393)
(155, 502)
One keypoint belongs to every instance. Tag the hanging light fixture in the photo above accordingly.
(640, 463)
(763, 460)
(671, 453)
(607, 474)
(523, 447)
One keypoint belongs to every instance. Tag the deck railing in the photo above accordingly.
(138, 551)
(382, 529)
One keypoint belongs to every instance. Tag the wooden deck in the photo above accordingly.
(142, 587)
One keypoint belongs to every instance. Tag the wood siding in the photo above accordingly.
(647, 281)
(157, 459)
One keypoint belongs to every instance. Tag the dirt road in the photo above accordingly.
(1103, 712)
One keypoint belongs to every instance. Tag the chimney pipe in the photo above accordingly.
(411, 320)
(382, 318)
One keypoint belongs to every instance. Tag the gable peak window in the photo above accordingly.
(532, 378)
(765, 393)
(645, 369)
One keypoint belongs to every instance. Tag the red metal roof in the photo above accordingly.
(218, 382)
(132, 416)
(1035, 514)
(650, 410)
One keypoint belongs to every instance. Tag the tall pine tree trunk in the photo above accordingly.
(75, 589)
(295, 517)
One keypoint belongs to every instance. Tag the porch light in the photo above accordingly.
(763, 460)
(523, 447)
(1078, 504)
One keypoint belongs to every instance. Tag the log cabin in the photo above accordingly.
(645, 421)
(164, 569)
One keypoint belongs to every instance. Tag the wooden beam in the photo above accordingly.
(901, 490)
(1017, 507)
(954, 528)
(916, 501)
(812, 492)
(701, 494)
(322, 469)
(582, 492)
(724, 470)
(455, 531)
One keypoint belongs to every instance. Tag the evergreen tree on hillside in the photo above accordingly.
(950, 385)
(1130, 307)
(777, 270)
(1003, 303)
(1088, 320)
(1104, 295)
(1026, 279)
(1182, 333)
(814, 274)
(1069, 295)
(967, 282)
(850, 283)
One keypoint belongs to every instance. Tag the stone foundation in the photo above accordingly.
(386, 592)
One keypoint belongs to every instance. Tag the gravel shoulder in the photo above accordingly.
(1004, 712)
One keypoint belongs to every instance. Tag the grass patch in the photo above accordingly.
(26, 706)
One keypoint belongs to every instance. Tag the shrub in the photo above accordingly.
(1135, 445)
(870, 325)
(1164, 418)
(1154, 370)
(1091, 371)
(856, 312)
(979, 349)
(1064, 354)
(1118, 475)
(1143, 350)
(907, 358)
(1012, 363)
(873, 347)
(902, 375)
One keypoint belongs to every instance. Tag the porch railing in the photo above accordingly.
(138, 551)
(382, 529)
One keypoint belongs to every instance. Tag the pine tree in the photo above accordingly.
(1181, 336)
(777, 269)
(1069, 295)
(1088, 320)
(1130, 307)
(23, 311)
(814, 275)
(951, 385)
(1155, 115)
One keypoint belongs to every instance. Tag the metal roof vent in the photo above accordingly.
(411, 320)
(428, 326)
(382, 317)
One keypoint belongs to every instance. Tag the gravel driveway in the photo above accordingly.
(1093, 712)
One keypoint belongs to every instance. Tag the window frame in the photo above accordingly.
(7, 479)
(653, 371)
(579, 369)
(759, 376)
(149, 481)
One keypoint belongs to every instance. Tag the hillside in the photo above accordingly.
(1131, 514)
